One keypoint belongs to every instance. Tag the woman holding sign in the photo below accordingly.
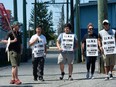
(90, 50)
(66, 43)
(107, 47)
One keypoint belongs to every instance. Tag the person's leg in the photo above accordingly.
(111, 68)
(61, 61)
(70, 68)
(62, 71)
(112, 63)
(106, 65)
(93, 60)
(110, 71)
(40, 68)
(107, 68)
(16, 73)
(70, 60)
(14, 63)
(13, 74)
(61, 67)
(35, 63)
(18, 63)
(87, 66)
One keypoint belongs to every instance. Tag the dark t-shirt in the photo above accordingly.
(16, 46)
(86, 36)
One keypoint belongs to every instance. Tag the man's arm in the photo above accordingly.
(11, 41)
(58, 45)
(100, 43)
(33, 41)
(82, 48)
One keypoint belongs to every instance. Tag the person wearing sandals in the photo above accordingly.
(66, 42)
(15, 50)
(90, 59)
(38, 44)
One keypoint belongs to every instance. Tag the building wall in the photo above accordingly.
(89, 14)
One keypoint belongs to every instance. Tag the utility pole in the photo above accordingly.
(15, 10)
(35, 15)
(102, 14)
(62, 18)
(72, 15)
(67, 9)
(78, 31)
(24, 31)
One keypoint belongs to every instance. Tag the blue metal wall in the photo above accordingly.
(89, 13)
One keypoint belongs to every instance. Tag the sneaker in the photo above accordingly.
(111, 77)
(107, 77)
(41, 78)
(12, 81)
(35, 78)
(17, 82)
(62, 76)
(70, 78)
(92, 77)
(87, 75)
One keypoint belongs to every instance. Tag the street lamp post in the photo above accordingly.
(78, 31)
(24, 32)
(35, 15)
(15, 10)
(102, 14)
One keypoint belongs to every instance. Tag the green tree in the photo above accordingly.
(61, 21)
(44, 18)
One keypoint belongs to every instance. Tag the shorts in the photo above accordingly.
(14, 58)
(109, 59)
(66, 57)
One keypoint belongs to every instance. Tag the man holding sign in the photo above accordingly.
(107, 47)
(14, 41)
(90, 50)
(38, 45)
(66, 43)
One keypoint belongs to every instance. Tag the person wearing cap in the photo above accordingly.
(38, 44)
(104, 37)
(15, 49)
(90, 59)
(64, 41)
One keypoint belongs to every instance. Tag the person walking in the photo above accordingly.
(67, 44)
(89, 58)
(106, 39)
(38, 45)
(15, 50)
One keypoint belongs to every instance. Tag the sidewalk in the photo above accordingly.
(52, 74)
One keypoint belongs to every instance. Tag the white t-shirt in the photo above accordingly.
(108, 41)
(41, 41)
(109, 32)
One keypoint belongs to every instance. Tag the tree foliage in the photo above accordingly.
(44, 18)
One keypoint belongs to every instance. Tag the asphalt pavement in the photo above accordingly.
(52, 74)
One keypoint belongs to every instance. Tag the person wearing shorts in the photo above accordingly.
(109, 59)
(66, 56)
(15, 50)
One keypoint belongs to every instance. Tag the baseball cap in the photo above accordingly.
(16, 23)
(105, 21)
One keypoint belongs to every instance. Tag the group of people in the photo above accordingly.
(67, 43)
(106, 48)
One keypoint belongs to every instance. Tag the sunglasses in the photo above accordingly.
(105, 24)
